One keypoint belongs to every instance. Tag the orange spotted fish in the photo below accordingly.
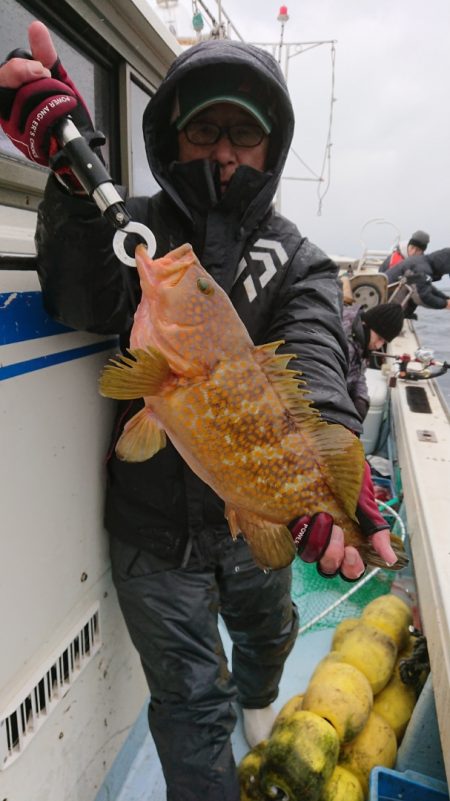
(234, 411)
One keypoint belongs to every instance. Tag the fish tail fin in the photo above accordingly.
(372, 558)
(271, 544)
(141, 375)
(142, 437)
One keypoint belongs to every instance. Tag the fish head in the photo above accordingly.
(184, 312)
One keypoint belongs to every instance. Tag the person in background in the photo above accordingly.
(416, 246)
(420, 273)
(217, 134)
(367, 330)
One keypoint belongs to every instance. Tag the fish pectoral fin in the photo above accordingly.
(141, 375)
(232, 520)
(142, 437)
(271, 544)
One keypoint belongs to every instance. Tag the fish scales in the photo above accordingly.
(238, 416)
(242, 440)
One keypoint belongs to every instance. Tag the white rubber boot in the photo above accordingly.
(258, 724)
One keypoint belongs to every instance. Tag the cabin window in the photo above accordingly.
(21, 182)
(140, 179)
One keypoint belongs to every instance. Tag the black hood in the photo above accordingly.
(161, 137)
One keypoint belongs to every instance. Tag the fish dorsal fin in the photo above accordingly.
(137, 377)
(339, 452)
(142, 437)
(287, 383)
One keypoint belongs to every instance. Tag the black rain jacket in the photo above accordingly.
(282, 286)
(357, 341)
(421, 272)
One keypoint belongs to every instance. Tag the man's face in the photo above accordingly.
(228, 156)
(376, 342)
(413, 250)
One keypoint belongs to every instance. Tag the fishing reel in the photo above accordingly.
(421, 367)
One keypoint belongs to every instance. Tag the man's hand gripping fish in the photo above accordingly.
(236, 414)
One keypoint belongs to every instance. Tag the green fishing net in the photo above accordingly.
(323, 603)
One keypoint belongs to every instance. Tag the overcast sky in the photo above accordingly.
(390, 155)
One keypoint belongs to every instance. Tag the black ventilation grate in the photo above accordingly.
(418, 400)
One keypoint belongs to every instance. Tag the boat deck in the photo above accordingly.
(139, 762)
(136, 774)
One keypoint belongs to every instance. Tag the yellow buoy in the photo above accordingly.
(372, 652)
(340, 693)
(395, 704)
(300, 757)
(343, 786)
(389, 614)
(342, 630)
(248, 772)
(375, 745)
(293, 705)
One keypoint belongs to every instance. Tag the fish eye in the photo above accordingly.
(204, 286)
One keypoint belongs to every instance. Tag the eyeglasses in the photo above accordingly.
(208, 133)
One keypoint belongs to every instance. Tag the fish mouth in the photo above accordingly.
(168, 270)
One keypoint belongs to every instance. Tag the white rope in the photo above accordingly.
(358, 584)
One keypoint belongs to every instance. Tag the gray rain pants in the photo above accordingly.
(172, 617)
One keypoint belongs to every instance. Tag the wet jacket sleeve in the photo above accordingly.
(308, 318)
(83, 284)
(428, 294)
(356, 379)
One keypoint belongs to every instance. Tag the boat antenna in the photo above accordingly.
(283, 17)
(284, 51)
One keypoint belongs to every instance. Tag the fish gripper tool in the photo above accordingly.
(97, 183)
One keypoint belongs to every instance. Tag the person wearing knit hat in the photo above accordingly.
(418, 243)
(416, 246)
(385, 321)
(367, 330)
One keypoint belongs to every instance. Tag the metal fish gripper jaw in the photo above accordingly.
(132, 228)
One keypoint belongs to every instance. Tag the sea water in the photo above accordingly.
(433, 329)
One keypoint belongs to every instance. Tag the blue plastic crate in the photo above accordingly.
(391, 785)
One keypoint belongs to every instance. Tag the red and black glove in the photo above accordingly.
(312, 535)
(369, 516)
(28, 116)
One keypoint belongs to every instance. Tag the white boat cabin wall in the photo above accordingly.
(71, 684)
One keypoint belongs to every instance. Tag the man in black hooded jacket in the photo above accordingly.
(420, 273)
(217, 134)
